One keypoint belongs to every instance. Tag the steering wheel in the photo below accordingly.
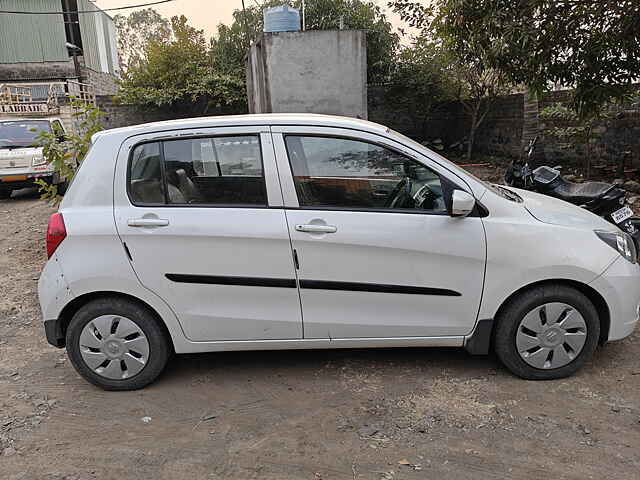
(400, 193)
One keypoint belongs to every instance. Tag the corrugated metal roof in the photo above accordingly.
(96, 41)
(89, 35)
(32, 38)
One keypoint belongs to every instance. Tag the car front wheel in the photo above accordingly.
(547, 332)
(117, 344)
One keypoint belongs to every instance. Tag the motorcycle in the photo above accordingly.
(604, 199)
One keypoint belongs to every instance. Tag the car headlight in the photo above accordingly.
(621, 242)
(38, 160)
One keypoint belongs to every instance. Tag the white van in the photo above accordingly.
(21, 163)
(286, 231)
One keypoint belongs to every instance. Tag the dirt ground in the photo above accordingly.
(342, 414)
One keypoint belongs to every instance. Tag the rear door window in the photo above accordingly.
(145, 175)
(220, 171)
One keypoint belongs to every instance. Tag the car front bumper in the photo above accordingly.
(619, 284)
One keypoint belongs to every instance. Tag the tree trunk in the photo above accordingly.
(587, 159)
(530, 126)
(472, 131)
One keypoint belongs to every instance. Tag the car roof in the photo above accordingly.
(308, 119)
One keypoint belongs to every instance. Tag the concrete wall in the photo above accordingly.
(26, 71)
(319, 71)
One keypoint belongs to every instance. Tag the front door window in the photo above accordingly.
(351, 174)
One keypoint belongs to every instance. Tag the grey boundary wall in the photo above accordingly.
(499, 135)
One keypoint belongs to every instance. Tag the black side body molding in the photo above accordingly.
(376, 288)
(309, 284)
(226, 280)
(480, 340)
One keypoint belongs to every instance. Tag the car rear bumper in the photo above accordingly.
(53, 294)
(620, 287)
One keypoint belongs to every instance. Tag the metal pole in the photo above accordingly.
(72, 37)
(304, 18)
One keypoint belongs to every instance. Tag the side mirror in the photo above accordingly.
(462, 203)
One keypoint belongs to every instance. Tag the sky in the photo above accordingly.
(207, 14)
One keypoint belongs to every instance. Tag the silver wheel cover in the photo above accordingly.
(551, 336)
(114, 347)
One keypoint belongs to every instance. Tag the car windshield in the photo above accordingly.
(21, 133)
(449, 163)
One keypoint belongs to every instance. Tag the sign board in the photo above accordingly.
(22, 108)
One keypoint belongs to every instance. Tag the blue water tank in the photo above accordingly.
(281, 19)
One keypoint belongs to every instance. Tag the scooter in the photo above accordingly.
(604, 199)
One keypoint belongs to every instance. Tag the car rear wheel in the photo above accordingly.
(547, 332)
(117, 344)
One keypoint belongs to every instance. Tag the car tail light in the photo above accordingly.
(56, 233)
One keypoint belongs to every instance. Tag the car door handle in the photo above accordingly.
(147, 222)
(311, 228)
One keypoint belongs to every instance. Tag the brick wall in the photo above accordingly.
(500, 134)
(119, 115)
(103, 83)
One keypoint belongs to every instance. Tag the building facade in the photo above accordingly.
(45, 56)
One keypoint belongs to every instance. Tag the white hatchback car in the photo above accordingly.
(309, 231)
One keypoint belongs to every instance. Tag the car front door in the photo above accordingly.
(194, 213)
(378, 256)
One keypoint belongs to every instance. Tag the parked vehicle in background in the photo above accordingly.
(21, 161)
(604, 199)
(287, 231)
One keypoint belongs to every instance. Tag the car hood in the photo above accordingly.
(558, 212)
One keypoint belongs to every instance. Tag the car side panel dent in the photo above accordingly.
(95, 261)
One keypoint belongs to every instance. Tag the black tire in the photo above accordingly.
(510, 316)
(62, 188)
(159, 349)
(5, 193)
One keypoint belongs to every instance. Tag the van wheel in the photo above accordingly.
(62, 188)
(116, 344)
(547, 332)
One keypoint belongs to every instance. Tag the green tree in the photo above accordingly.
(137, 29)
(475, 82)
(591, 46)
(419, 82)
(476, 88)
(179, 73)
(229, 47)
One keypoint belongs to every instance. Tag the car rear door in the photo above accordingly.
(370, 264)
(195, 212)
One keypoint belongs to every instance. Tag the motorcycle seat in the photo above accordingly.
(580, 193)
